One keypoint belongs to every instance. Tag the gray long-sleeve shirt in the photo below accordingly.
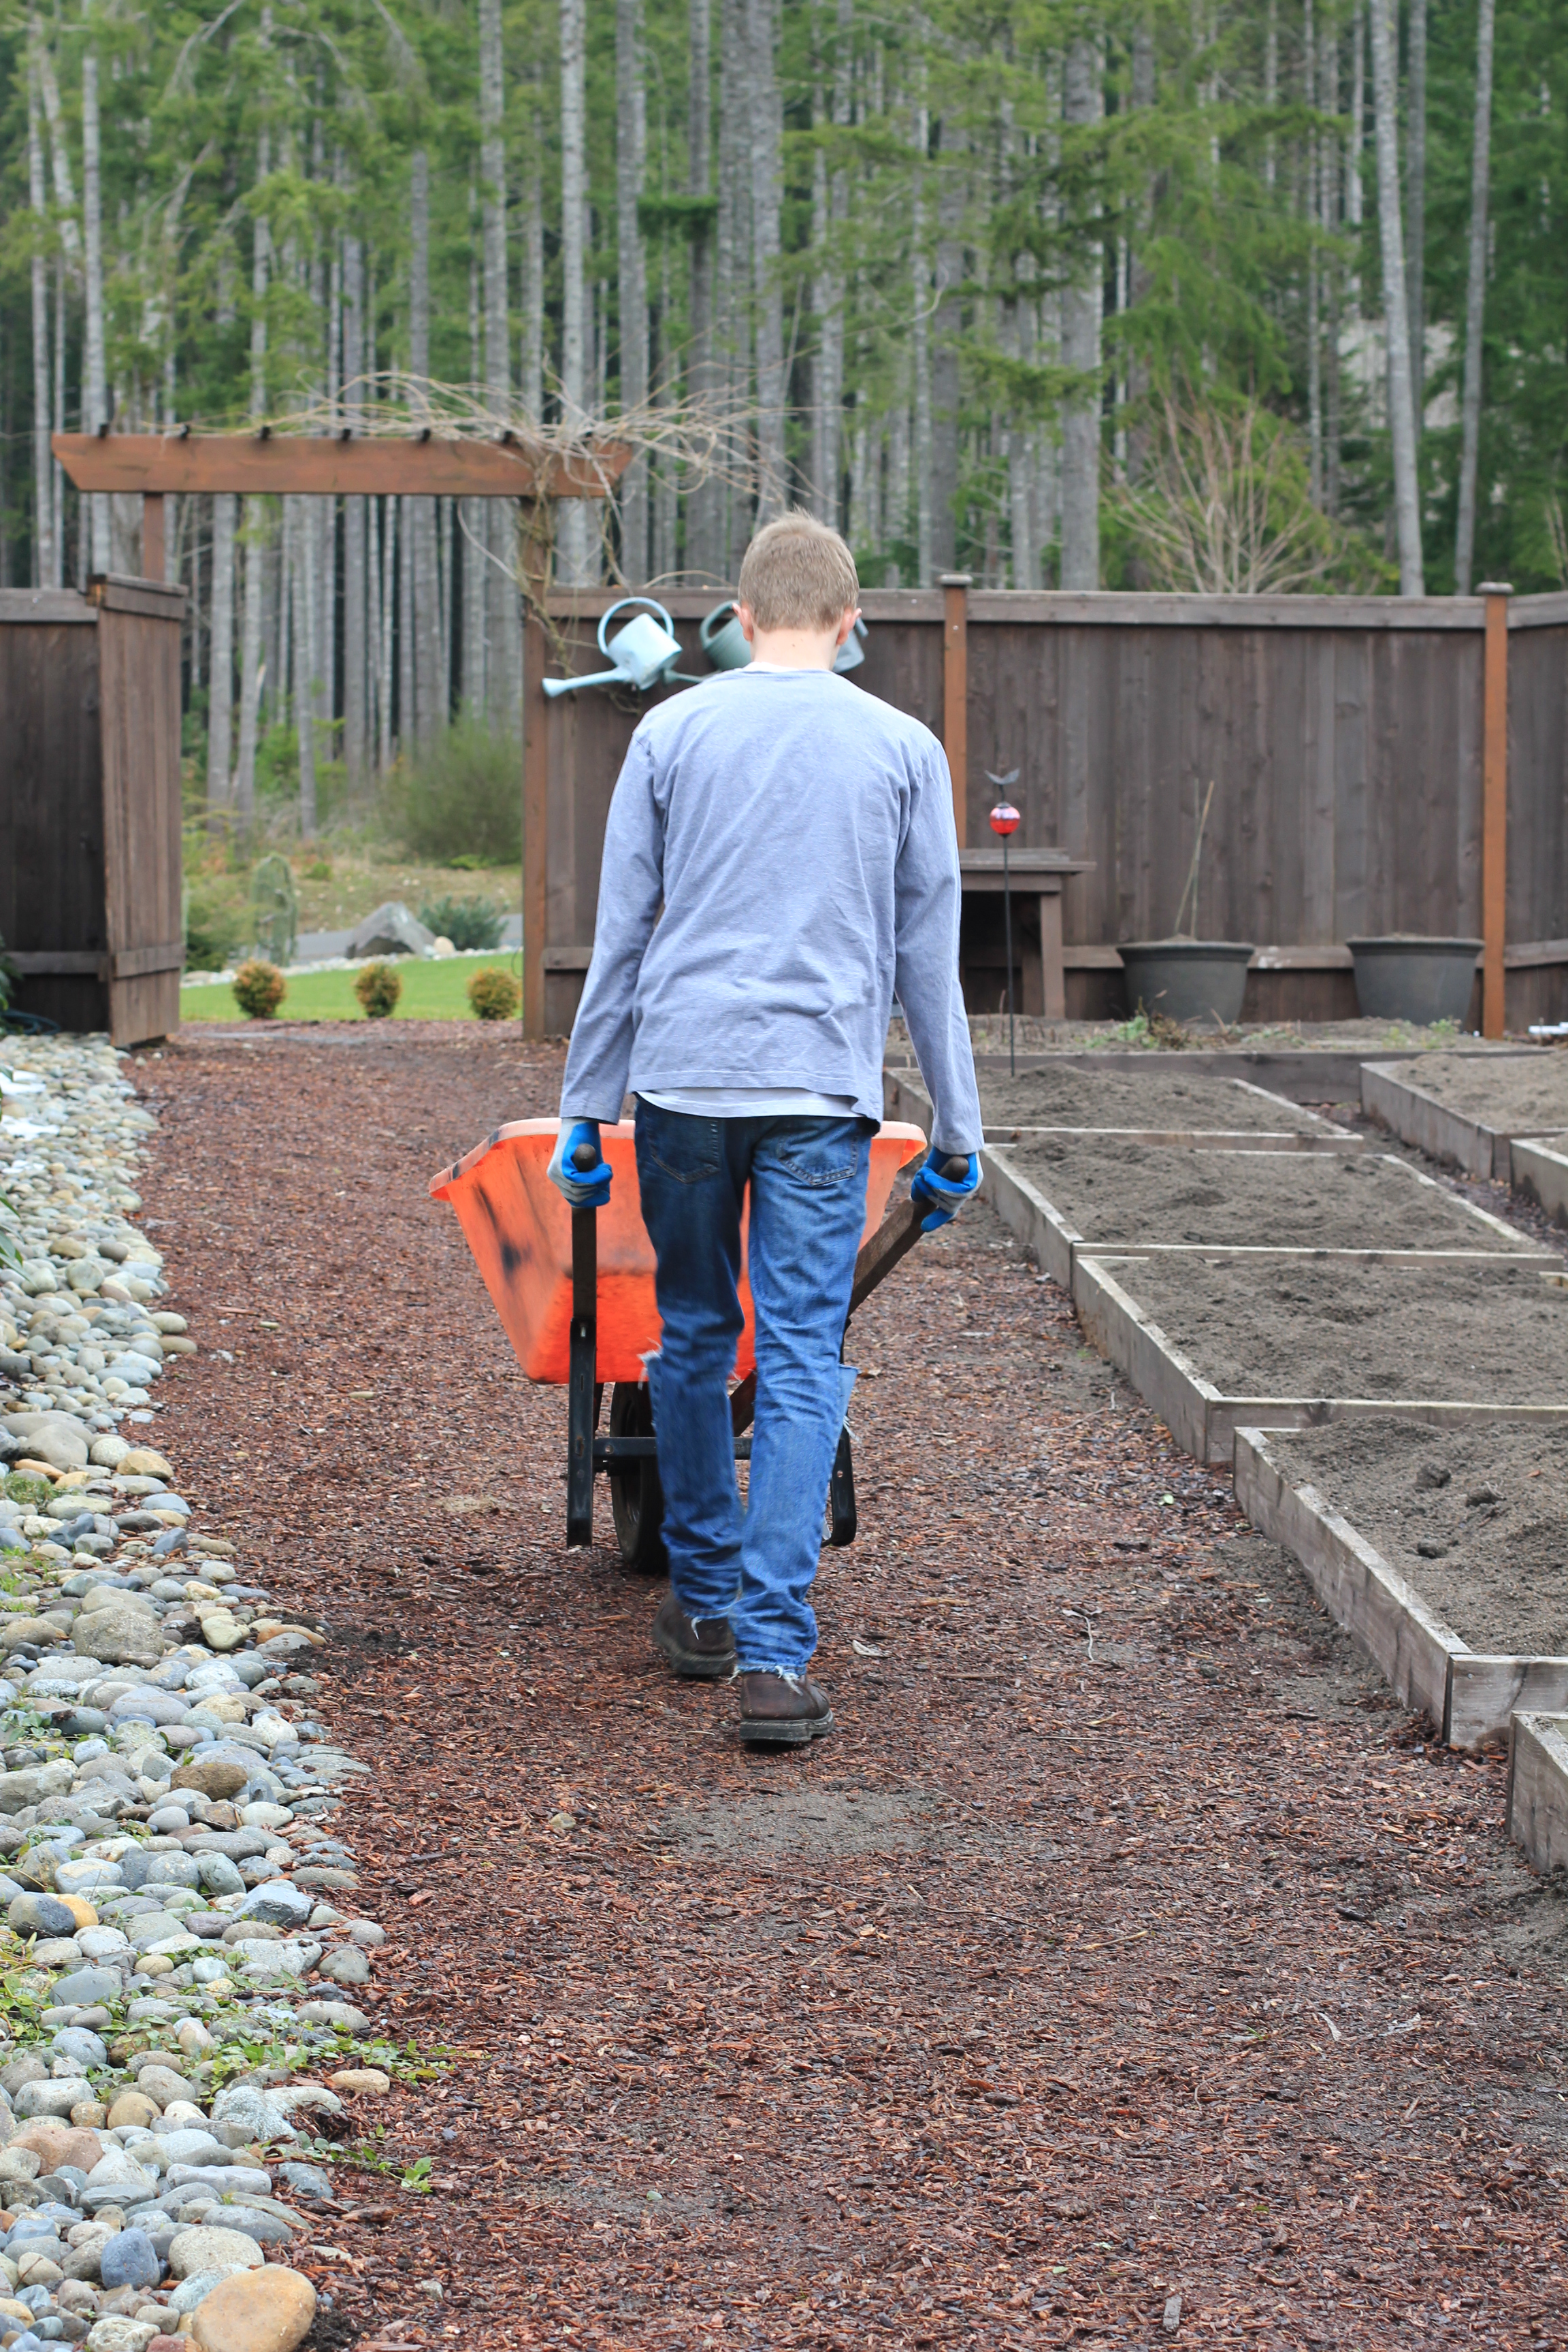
(798, 835)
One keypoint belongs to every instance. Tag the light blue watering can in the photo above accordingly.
(725, 642)
(643, 652)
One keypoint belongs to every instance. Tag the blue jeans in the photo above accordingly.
(807, 1180)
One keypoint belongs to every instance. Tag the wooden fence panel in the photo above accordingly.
(1342, 737)
(51, 805)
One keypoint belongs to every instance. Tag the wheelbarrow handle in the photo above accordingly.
(583, 1348)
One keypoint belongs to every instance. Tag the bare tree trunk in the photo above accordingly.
(95, 404)
(1314, 324)
(533, 293)
(631, 143)
(1329, 97)
(704, 529)
(576, 550)
(356, 583)
(733, 297)
(1080, 351)
(946, 328)
(1353, 192)
(1271, 88)
(46, 548)
(407, 726)
(306, 638)
(1401, 410)
(383, 652)
(473, 526)
(446, 559)
(220, 627)
(421, 645)
(920, 293)
(505, 620)
(1474, 300)
(59, 391)
(898, 503)
(767, 190)
(220, 652)
(830, 198)
(1416, 207)
(255, 523)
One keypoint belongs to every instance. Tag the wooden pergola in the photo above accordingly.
(265, 463)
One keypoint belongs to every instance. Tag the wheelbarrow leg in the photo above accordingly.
(582, 1400)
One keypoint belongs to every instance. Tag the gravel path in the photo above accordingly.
(1126, 1945)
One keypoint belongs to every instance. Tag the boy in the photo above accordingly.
(780, 858)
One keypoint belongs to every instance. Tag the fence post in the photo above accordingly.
(1494, 806)
(955, 586)
(152, 535)
(535, 820)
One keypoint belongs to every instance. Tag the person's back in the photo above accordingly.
(780, 857)
(780, 803)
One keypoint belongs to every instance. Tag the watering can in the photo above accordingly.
(722, 638)
(725, 645)
(642, 652)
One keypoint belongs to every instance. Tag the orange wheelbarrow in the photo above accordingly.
(574, 1291)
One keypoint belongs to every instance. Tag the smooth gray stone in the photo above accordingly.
(129, 2259)
(86, 1988)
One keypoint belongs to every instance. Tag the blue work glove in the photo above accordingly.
(585, 1187)
(944, 1193)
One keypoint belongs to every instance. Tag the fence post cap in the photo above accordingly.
(1495, 588)
(956, 579)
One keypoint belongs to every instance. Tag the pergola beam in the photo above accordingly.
(318, 466)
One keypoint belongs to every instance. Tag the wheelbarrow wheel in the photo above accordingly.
(636, 1499)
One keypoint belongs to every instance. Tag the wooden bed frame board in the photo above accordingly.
(1541, 1169)
(1471, 1695)
(1201, 1418)
(1419, 1118)
(1537, 1804)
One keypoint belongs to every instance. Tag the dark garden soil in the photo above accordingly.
(1476, 1518)
(1330, 1328)
(1067, 1096)
(1520, 1094)
(1126, 1943)
(1286, 1199)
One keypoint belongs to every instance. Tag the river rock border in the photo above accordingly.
(182, 1967)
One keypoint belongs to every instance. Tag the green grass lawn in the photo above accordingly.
(431, 992)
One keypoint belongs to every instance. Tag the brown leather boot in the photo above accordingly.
(703, 1649)
(781, 1710)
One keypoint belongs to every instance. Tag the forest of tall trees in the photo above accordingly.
(1188, 293)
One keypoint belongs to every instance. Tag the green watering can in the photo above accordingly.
(724, 643)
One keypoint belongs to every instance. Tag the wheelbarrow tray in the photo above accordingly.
(519, 1228)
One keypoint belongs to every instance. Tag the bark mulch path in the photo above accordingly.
(1127, 1943)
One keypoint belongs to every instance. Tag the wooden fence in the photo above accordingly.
(89, 804)
(1343, 737)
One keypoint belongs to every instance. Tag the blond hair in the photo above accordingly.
(798, 574)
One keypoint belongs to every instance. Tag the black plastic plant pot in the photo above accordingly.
(1405, 978)
(1189, 980)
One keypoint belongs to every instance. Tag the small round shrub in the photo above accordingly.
(494, 995)
(378, 988)
(258, 988)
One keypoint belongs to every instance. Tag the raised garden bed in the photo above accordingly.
(1217, 1343)
(1468, 1107)
(1402, 1621)
(1164, 1100)
(1066, 1196)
